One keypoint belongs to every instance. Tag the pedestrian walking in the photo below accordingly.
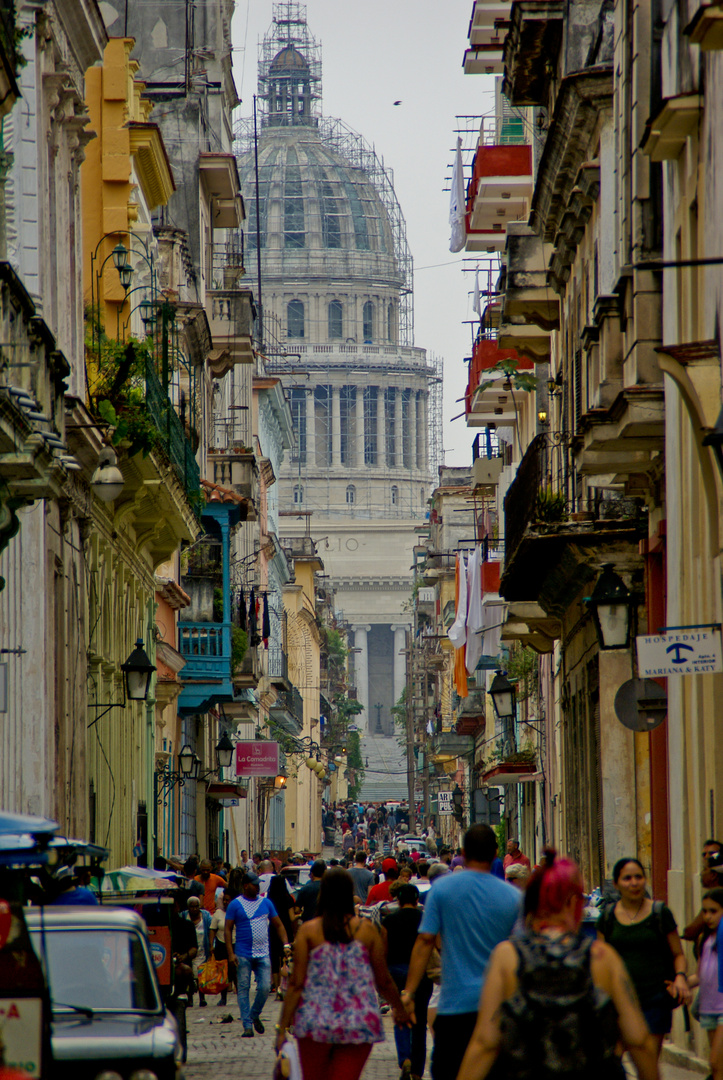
(709, 979)
(283, 900)
(556, 1002)
(251, 914)
(515, 855)
(363, 879)
(211, 882)
(473, 912)
(332, 1001)
(201, 922)
(645, 934)
(217, 940)
(401, 928)
(308, 895)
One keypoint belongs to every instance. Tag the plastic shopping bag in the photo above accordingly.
(213, 977)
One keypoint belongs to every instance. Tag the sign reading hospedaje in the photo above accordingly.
(679, 652)
(257, 758)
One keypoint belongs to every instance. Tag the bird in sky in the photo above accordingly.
(397, 103)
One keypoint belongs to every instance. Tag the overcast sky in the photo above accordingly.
(374, 53)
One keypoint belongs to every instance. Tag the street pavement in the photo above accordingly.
(216, 1051)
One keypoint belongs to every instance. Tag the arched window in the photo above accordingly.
(295, 318)
(298, 494)
(368, 322)
(335, 319)
(350, 494)
(390, 323)
(421, 493)
(395, 495)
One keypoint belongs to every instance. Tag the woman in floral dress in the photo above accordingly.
(339, 964)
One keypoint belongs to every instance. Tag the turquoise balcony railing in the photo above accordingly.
(206, 648)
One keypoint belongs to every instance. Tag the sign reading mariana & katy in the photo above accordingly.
(680, 652)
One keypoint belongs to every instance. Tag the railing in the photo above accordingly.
(521, 499)
(206, 648)
(170, 430)
(278, 663)
(204, 559)
(227, 262)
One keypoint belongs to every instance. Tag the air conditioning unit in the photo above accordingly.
(486, 471)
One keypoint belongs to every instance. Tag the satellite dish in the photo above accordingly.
(641, 704)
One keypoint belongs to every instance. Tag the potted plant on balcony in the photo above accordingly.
(551, 507)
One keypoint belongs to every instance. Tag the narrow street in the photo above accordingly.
(216, 1051)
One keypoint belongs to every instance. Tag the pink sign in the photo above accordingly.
(257, 758)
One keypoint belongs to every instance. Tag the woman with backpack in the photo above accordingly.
(555, 1002)
(645, 934)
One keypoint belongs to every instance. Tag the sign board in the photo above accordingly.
(257, 758)
(426, 595)
(159, 938)
(21, 1028)
(445, 803)
(679, 652)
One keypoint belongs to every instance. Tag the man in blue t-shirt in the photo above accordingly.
(251, 915)
(473, 911)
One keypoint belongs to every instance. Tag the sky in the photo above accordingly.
(374, 53)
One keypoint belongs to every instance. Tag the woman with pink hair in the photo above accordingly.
(556, 1002)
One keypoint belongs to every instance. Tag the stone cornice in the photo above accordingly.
(581, 99)
(151, 162)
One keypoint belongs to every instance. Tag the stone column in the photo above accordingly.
(360, 433)
(361, 668)
(394, 459)
(399, 659)
(335, 426)
(381, 429)
(310, 429)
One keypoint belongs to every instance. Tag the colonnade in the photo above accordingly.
(397, 437)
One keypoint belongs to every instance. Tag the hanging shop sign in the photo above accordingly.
(445, 803)
(680, 650)
(257, 758)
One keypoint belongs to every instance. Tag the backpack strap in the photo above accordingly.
(605, 922)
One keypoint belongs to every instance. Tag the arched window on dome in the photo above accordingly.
(421, 492)
(336, 312)
(295, 318)
(350, 494)
(368, 322)
(298, 495)
(390, 323)
(395, 495)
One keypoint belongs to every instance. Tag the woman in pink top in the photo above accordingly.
(710, 978)
(339, 965)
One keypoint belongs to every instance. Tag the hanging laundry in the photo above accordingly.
(457, 632)
(242, 618)
(473, 649)
(266, 623)
(253, 631)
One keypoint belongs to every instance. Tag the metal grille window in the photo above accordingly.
(368, 322)
(322, 410)
(330, 218)
(298, 415)
(335, 319)
(295, 319)
(358, 217)
(390, 322)
(298, 494)
(370, 425)
(395, 495)
(350, 494)
(294, 235)
(406, 430)
(390, 414)
(347, 407)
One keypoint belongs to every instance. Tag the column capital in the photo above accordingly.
(356, 626)
(400, 626)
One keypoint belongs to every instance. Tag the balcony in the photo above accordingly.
(531, 50)
(232, 318)
(206, 648)
(236, 468)
(220, 183)
(288, 711)
(170, 433)
(550, 555)
(249, 672)
(277, 667)
(511, 768)
(524, 285)
(486, 400)
(471, 714)
(499, 192)
(448, 744)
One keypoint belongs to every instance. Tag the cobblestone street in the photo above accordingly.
(217, 1050)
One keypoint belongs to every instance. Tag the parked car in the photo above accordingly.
(411, 843)
(108, 1015)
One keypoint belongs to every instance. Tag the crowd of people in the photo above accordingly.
(490, 954)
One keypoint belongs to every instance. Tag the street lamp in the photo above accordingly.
(120, 256)
(138, 671)
(458, 802)
(186, 762)
(502, 693)
(107, 480)
(224, 751)
(610, 605)
(148, 315)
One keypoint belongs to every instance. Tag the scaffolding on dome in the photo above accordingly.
(288, 28)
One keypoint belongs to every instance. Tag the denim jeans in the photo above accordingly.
(411, 1042)
(261, 967)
